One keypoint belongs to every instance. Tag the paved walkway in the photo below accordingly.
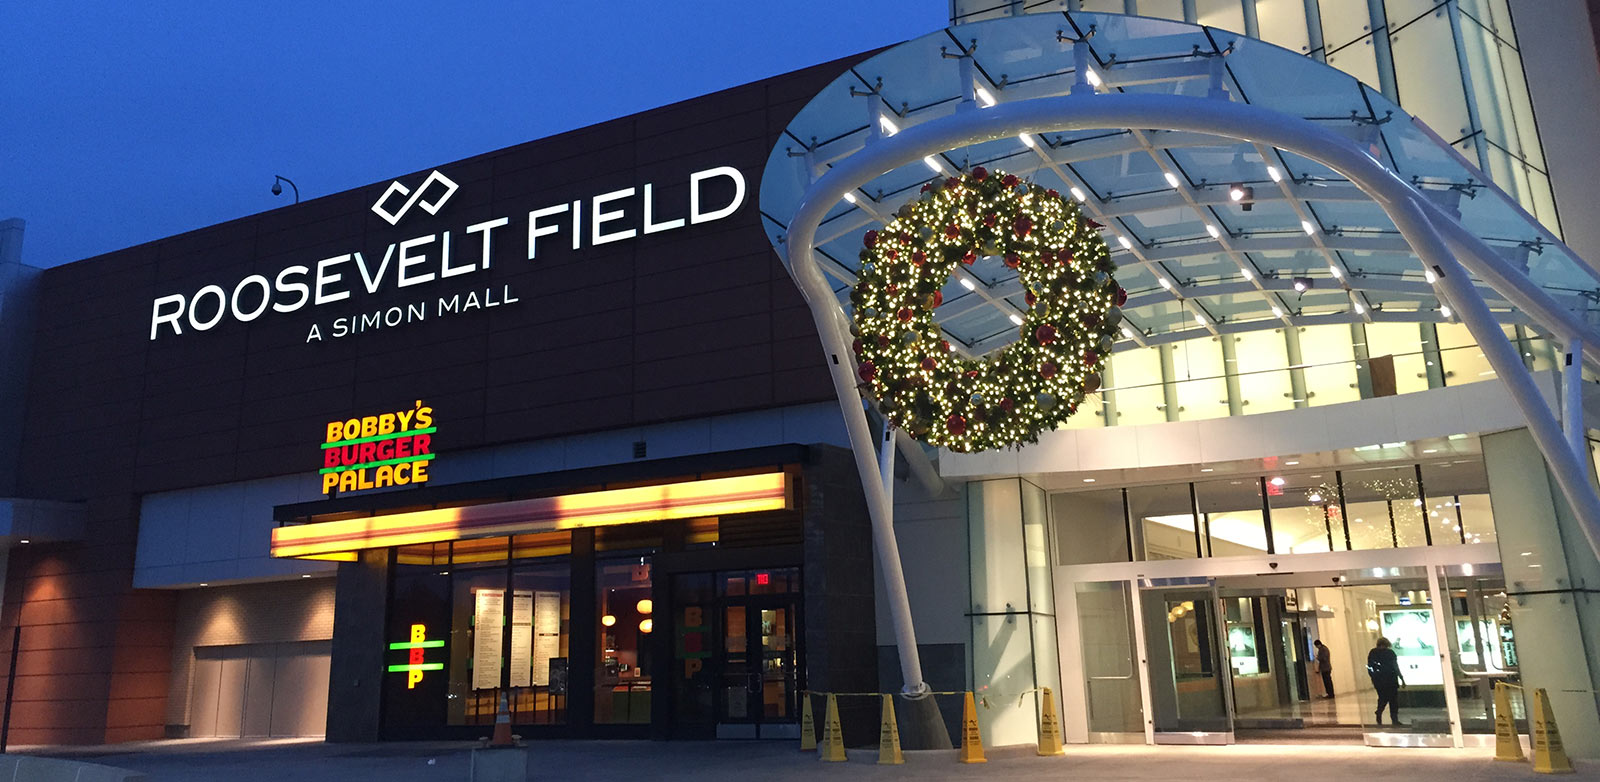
(631, 761)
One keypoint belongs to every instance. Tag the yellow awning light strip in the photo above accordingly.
(683, 500)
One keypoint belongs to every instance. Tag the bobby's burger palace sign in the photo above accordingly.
(431, 259)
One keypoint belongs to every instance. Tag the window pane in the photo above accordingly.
(621, 679)
(541, 621)
(1404, 342)
(1165, 9)
(1304, 511)
(1283, 22)
(1376, 497)
(542, 544)
(1263, 368)
(1458, 501)
(1356, 59)
(1226, 14)
(1328, 354)
(1137, 395)
(995, 530)
(1231, 515)
(1202, 389)
(1090, 527)
(1343, 22)
(1463, 359)
(1165, 516)
(477, 648)
(419, 612)
(1036, 549)
(1428, 76)
(480, 552)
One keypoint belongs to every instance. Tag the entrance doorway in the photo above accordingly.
(1242, 658)
(737, 657)
(1189, 687)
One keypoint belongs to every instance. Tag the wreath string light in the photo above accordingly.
(1032, 385)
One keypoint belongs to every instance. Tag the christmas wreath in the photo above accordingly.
(1008, 397)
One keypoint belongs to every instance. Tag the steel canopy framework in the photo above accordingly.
(846, 183)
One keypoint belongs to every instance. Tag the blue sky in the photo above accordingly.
(123, 122)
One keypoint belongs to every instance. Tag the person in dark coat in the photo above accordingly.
(1325, 667)
(1384, 669)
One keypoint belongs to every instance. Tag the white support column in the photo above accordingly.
(1441, 608)
(1572, 399)
(829, 319)
(886, 449)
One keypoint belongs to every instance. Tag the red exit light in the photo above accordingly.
(763, 578)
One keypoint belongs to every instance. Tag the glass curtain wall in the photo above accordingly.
(1437, 503)
(473, 619)
(1283, 369)
(1013, 606)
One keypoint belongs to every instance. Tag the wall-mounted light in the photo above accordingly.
(646, 625)
(608, 620)
(644, 606)
(277, 187)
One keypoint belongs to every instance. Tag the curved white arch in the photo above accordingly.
(1423, 225)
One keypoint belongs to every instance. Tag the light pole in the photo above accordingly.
(277, 189)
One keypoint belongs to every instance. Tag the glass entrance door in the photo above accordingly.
(759, 666)
(1189, 694)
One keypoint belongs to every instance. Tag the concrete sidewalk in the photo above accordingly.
(631, 761)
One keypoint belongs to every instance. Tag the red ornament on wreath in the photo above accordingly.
(937, 394)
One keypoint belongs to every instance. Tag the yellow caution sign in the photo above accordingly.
(1548, 755)
(889, 736)
(832, 735)
(1507, 744)
(808, 725)
(1049, 726)
(971, 737)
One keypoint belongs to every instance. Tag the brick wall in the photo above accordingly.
(298, 610)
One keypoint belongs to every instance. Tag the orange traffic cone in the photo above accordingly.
(502, 725)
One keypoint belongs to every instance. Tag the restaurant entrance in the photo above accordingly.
(737, 662)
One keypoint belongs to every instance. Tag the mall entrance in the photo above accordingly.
(1234, 657)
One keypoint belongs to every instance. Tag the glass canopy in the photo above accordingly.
(1305, 246)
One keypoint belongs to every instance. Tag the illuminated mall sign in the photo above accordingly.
(430, 259)
(378, 451)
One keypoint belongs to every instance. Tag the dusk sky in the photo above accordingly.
(128, 122)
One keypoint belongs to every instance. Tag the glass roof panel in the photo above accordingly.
(1391, 265)
(1127, 174)
(1232, 307)
(1165, 225)
(1165, 316)
(1020, 58)
(1223, 164)
(1263, 216)
(1217, 267)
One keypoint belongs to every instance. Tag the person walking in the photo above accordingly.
(1325, 667)
(1384, 669)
